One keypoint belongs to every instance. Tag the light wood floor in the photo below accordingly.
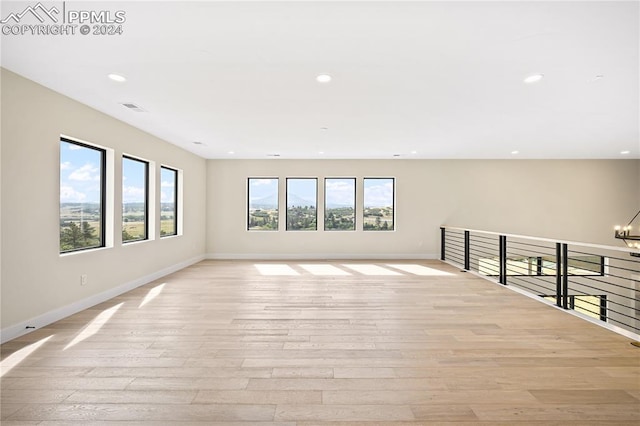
(321, 343)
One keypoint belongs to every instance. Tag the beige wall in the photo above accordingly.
(35, 278)
(572, 200)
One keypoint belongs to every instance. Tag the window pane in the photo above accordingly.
(168, 202)
(339, 204)
(81, 196)
(134, 199)
(378, 204)
(263, 204)
(301, 204)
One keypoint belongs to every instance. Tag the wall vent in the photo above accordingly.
(132, 107)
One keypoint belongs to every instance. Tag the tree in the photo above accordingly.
(70, 237)
(87, 232)
(126, 236)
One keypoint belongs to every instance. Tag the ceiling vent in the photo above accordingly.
(132, 107)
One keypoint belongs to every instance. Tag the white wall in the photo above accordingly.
(38, 283)
(572, 200)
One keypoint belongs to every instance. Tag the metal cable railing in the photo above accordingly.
(600, 282)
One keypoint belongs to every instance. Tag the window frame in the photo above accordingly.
(287, 204)
(175, 201)
(355, 202)
(393, 206)
(146, 197)
(248, 217)
(103, 194)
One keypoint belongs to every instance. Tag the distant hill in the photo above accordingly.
(80, 205)
(331, 205)
(266, 203)
(133, 207)
(295, 200)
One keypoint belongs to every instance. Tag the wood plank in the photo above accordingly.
(223, 344)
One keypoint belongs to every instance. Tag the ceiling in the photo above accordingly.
(409, 79)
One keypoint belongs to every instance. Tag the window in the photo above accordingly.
(379, 206)
(340, 204)
(263, 204)
(168, 202)
(301, 204)
(82, 196)
(135, 190)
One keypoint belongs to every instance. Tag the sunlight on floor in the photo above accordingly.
(323, 269)
(275, 269)
(94, 326)
(418, 269)
(329, 269)
(152, 294)
(17, 357)
(370, 269)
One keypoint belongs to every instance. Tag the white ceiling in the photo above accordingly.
(415, 79)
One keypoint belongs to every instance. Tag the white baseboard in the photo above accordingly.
(320, 256)
(50, 317)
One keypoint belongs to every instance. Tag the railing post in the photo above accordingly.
(466, 250)
(500, 255)
(502, 239)
(442, 242)
(559, 275)
(565, 276)
(539, 266)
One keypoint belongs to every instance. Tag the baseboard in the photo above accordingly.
(321, 256)
(20, 329)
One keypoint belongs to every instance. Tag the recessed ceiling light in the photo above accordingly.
(323, 78)
(324, 129)
(598, 77)
(515, 152)
(414, 152)
(197, 143)
(320, 152)
(231, 152)
(117, 77)
(625, 152)
(533, 78)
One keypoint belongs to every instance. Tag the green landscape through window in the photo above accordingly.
(82, 181)
(134, 199)
(379, 209)
(340, 204)
(263, 204)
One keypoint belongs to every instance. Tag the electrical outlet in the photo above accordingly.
(83, 279)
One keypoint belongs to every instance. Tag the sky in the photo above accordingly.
(378, 192)
(79, 174)
(80, 182)
(263, 188)
(167, 185)
(340, 192)
(302, 191)
(80, 177)
(133, 181)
